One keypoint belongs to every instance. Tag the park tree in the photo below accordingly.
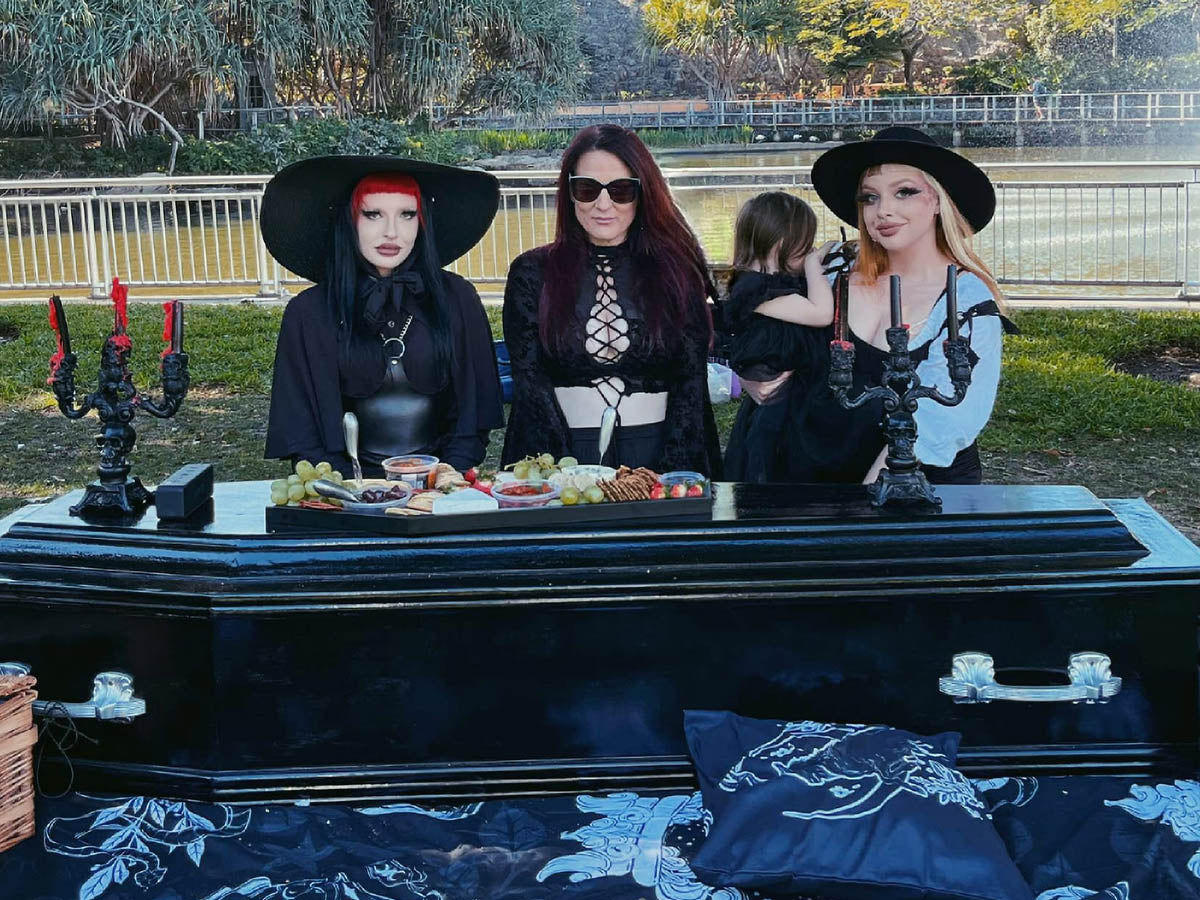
(1113, 18)
(718, 39)
(516, 54)
(915, 25)
(845, 36)
(133, 62)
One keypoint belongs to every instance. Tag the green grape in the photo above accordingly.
(279, 484)
(570, 495)
(521, 470)
(594, 494)
(296, 492)
(279, 498)
(567, 461)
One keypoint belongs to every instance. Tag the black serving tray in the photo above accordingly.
(298, 518)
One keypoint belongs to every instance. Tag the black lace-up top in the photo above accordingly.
(608, 349)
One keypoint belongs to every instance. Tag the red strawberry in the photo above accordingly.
(658, 492)
(679, 490)
(483, 484)
(696, 490)
(470, 475)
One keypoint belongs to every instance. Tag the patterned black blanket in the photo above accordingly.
(1108, 838)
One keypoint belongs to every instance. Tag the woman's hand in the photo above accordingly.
(876, 467)
(763, 392)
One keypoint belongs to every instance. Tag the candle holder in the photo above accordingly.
(116, 401)
(902, 481)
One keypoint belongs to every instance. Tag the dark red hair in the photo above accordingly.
(386, 183)
(669, 269)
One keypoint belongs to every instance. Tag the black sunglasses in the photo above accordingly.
(620, 190)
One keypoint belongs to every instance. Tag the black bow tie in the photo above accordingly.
(389, 290)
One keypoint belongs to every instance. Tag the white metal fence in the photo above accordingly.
(1142, 108)
(961, 110)
(1055, 225)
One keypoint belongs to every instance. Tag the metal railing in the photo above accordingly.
(1125, 107)
(959, 110)
(201, 234)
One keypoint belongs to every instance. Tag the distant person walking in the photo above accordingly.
(1039, 91)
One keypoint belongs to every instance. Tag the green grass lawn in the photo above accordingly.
(1064, 415)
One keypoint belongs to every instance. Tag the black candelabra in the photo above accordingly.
(116, 401)
(902, 480)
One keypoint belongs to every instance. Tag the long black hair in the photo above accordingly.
(345, 271)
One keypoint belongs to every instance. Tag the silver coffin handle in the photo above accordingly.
(112, 698)
(972, 679)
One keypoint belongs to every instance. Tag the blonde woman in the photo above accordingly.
(916, 206)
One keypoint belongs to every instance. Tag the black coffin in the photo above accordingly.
(277, 665)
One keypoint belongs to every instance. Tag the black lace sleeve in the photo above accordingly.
(535, 421)
(692, 442)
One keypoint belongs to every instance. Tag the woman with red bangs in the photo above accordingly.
(385, 332)
(611, 321)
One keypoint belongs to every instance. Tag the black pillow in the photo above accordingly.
(842, 811)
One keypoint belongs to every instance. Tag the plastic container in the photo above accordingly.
(382, 507)
(416, 469)
(687, 479)
(517, 494)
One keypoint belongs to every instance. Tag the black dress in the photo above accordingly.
(317, 379)
(829, 443)
(687, 438)
(760, 348)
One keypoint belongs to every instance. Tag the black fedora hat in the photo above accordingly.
(837, 172)
(299, 203)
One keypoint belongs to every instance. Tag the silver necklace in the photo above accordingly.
(399, 339)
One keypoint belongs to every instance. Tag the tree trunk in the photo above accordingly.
(908, 54)
(1116, 40)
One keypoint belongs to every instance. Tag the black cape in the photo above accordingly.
(306, 393)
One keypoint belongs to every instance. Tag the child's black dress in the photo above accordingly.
(761, 347)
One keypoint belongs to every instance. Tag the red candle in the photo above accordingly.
(120, 298)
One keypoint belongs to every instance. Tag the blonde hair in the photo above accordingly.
(953, 233)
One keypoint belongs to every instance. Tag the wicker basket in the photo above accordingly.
(17, 737)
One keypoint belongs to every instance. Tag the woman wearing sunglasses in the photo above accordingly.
(609, 325)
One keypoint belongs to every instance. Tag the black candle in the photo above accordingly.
(177, 326)
(896, 314)
(952, 301)
(843, 303)
(60, 324)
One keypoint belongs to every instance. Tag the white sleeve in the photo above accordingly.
(944, 430)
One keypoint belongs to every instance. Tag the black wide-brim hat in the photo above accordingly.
(299, 204)
(836, 173)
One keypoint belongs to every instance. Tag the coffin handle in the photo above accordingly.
(972, 679)
(112, 698)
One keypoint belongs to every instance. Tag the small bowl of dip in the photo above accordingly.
(517, 494)
(416, 469)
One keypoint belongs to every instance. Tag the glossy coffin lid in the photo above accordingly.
(455, 665)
